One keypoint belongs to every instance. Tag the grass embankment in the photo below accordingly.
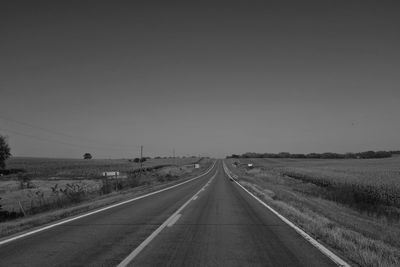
(149, 181)
(336, 201)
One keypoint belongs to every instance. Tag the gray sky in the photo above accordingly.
(203, 78)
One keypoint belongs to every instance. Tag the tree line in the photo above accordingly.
(327, 155)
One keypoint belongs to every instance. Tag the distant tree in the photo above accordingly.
(367, 154)
(313, 156)
(383, 154)
(87, 156)
(137, 160)
(350, 155)
(298, 156)
(4, 151)
(250, 155)
(284, 155)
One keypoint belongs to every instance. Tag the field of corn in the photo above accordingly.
(364, 182)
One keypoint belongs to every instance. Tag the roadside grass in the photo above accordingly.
(363, 238)
(58, 210)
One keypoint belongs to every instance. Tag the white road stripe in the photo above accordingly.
(2, 242)
(174, 220)
(314, 242)
(137, 250)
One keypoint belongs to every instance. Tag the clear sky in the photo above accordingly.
(206, 78)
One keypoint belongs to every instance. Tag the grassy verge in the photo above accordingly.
(29, 222)
(362, 239)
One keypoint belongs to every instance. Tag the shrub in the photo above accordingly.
(74, 192)
(4, 151)
(87, 156)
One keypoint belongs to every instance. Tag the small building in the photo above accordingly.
(112, 174)
(196, 166)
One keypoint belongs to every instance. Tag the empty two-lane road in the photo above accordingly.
(225, 226)
(209, 221)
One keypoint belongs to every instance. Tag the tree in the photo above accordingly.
(87, 156)
(137, 160)
(4, 151)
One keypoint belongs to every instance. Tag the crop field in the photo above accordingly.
(368, 181)
(83, 169)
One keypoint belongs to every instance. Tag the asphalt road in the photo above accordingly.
(219, 225)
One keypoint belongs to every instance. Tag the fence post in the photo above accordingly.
(22, 209)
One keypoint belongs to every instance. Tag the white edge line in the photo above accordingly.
(138, 249)
(2, 242)
(314, 242)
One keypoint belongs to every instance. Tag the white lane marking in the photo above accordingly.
(137, 250)
(2, 242)
(336, 259)
(195, 197)
(174, 220)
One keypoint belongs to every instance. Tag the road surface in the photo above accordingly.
(209, 221)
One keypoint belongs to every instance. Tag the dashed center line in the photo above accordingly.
(169, 222)
(174, 220)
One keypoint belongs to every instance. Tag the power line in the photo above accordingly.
(61, 142)
(63, 134)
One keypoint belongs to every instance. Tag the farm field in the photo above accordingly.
(367, 184)
(82, 169)
(56, 183)
(352, 205)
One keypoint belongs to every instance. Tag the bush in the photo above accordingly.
(74, 192)
(4, 151)
(137, 160)
(12, 171)
(87, 156)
